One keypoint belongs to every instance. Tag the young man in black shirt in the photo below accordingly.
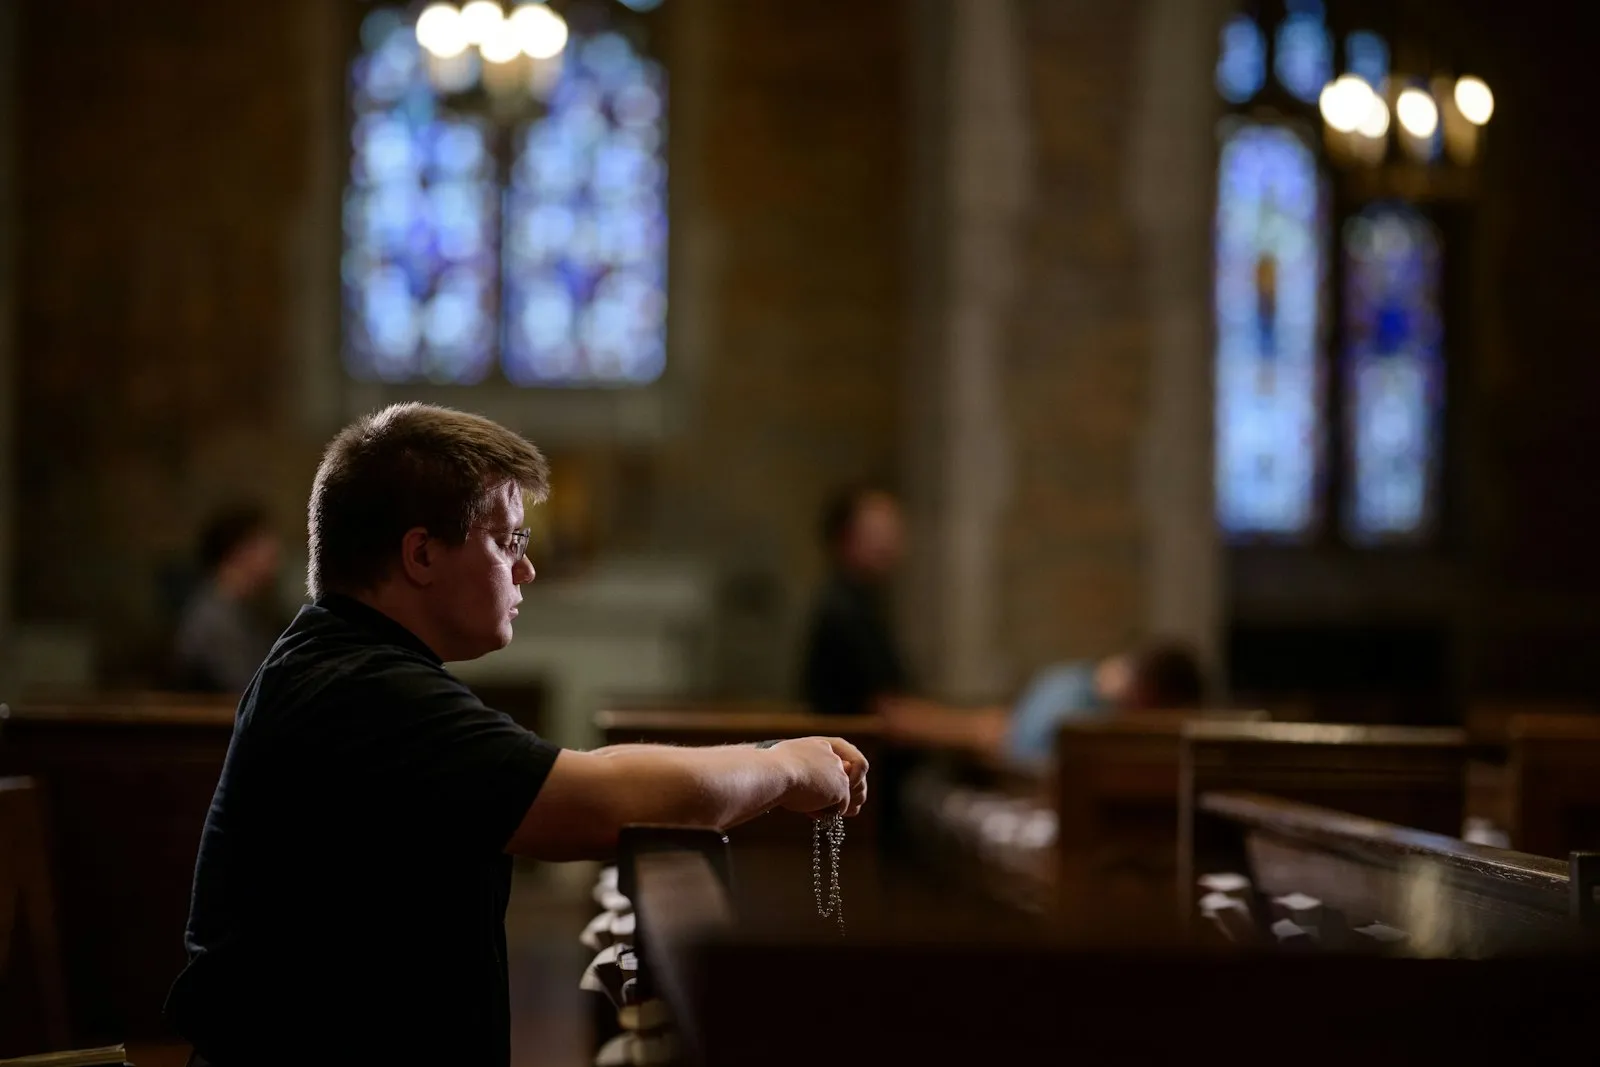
(352, 879)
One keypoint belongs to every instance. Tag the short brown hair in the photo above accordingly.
(405, 466)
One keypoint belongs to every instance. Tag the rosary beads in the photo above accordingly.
(829, 831)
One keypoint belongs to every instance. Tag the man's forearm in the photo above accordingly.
(718, 787)
(612, 750)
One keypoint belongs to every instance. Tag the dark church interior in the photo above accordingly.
(1153, 439)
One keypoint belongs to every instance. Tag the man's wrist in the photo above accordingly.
(767, 744)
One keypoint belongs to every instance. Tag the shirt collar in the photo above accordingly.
(375, 622)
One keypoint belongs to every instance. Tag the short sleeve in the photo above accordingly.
(443, 765)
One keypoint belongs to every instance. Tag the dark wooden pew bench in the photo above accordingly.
(738, 994)
(1269, 870)
(33, 1012)
(126, 785)
(1409, 776)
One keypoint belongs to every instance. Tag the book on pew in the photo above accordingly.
(110, 1056)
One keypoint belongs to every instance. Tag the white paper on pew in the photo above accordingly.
(1380, 932)
(597, 935)
(1224, 883)
(1212, 903)
(622, 926)
(618, 1052)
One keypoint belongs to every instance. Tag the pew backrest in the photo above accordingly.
(1304, 874)
(1409, 776)
(1116, 785)
(1552, 783)
(126, 783)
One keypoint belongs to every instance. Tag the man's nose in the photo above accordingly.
(523, 572)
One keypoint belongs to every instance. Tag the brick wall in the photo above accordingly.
(158, 143)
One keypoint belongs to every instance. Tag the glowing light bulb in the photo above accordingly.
(501, 46)
(482, 21)
(1474, 100)
(440, 31)
(1345, 102)
(1418, 114)
(1375, 123)
(539, 32)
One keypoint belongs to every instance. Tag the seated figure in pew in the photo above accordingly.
(220, 640)
(354, 869)
(1161, 676)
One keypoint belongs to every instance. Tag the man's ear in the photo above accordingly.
(417, 556)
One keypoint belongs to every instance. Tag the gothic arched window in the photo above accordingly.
(1393, 374)
(529, 249)
(1269, 281)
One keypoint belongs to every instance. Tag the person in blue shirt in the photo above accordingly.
(1161, 676)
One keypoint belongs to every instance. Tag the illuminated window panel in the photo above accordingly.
(1270, 261)
(1394, 375)
(586, 225)
(1242, 62)
(419, 272)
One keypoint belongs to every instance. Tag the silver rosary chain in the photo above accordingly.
(831, 831)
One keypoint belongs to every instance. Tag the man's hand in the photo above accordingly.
(855, 765)
(820, 782)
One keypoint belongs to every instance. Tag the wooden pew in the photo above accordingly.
(1117, 785)
(1410, 776)
(33, 1008)
(1274, 870)
(1097, 832)
(127, 785)
(740, 994)
(1551, 785)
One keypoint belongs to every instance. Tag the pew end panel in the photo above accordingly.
(127, 785)
(1552, 783)
(1115, 786)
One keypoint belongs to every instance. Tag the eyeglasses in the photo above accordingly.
(514, 544)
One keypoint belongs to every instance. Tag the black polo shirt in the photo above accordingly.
(851, 654)
(351, 887)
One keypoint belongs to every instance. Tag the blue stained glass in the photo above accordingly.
(1242, 63)
(1303, 59)
(1366, 55)
(585, 220)
(1394, 374)
(1269, 293)
(420, 220)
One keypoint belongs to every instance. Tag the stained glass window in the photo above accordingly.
(1393, 372)
(586, 225)
(1242, 62)
(1269, 284)
(539, 249)
(420, 223)
(1303, 56)
(1366, 54)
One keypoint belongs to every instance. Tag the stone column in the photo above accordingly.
(1172, 170)
(971, 168)
(1058, 387)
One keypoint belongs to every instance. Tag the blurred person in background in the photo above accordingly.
(852, 659)
(221, 639)
(1158, 676)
